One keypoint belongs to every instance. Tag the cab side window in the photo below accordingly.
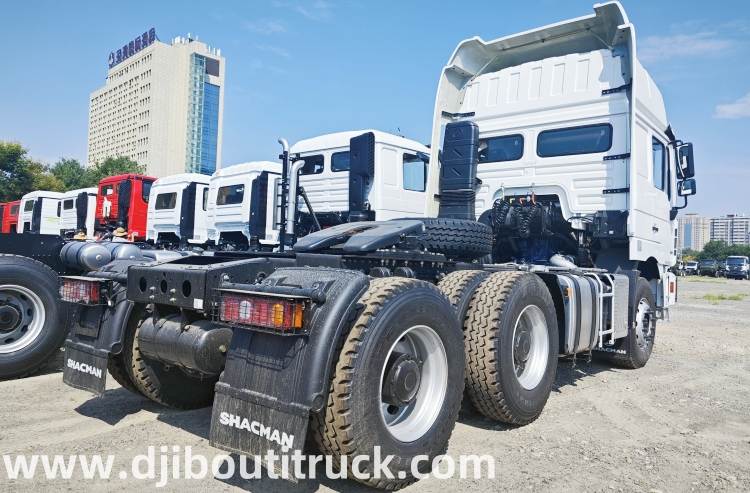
(415, 173)
(659, 155)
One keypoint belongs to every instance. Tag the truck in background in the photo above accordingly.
(177, 210)
(39, 213)
(122, 206)
(78, 213)
(9, 216)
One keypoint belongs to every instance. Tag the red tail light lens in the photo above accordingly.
(82, 290)
(280, 314)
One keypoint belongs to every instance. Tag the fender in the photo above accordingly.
(281, 379)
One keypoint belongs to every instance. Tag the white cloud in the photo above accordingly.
(318, 10)
(734, 110)
(265, 26)
(276, 50)
(660, 48)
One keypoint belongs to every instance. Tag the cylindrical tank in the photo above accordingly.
(85, 255)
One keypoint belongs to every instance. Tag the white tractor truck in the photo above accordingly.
(40, 213)
(244, 200)
(177, 211)
(548, 226)
(78, 213)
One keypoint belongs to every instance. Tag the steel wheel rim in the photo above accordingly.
(643, 323)
(412, 421)
(31, 320)
(530, 350)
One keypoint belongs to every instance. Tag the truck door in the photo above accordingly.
(650, 192)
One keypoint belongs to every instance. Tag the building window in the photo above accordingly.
(587, 139)
(415, 173)
(340, 161)
(313, 165)
(165, 201)
(231, 194)
(499, 149)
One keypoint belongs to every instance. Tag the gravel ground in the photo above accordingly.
(682, 423)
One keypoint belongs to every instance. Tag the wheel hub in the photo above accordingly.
(10, 317)
(522, 346)
(402, 379)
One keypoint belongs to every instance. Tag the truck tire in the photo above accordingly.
(33, 320)
(397, 383)
(510, 372)
(634, 350)
(458, 239)
(168, 386)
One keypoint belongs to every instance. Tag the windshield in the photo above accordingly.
(708, 262)
(692, 264)
(736, 261)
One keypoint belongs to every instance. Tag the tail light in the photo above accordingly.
(279, 314)
(83, 290)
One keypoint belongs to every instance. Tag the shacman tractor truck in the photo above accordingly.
(78, 214)
(39, 213)
(122, 206)
(9, 216)
(244, 200)
(177, 210)
(552, 189)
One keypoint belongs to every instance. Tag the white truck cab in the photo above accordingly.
(243, 202)
(40, 213)
(177, 210)
(575, 154)
(78, 212)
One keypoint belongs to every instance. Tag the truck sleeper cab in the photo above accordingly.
(39, 213)
(122, 205)
(177, 210)
(78, 213)
(9, 216)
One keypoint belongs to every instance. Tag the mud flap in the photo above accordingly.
(84, 369)
(269, 417)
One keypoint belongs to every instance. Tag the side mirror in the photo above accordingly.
(687, 164)
(686, 187)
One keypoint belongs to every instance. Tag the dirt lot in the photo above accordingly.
(682, 423)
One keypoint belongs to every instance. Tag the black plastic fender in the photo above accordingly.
(275, 381)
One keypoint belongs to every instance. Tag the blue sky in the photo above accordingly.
(301, 68)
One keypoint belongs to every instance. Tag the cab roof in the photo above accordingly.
(339, 140)
(183, 178)
(249, 167)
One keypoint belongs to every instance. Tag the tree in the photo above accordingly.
(113, 166)
(17, 171)
(71, 174)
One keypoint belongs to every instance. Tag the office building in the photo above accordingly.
(693, 232)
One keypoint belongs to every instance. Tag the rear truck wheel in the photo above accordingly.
(459, 287)
(33, 320)
(458, 239)
(634, 350)
(398, 381)
(511, 346)
(166, 385)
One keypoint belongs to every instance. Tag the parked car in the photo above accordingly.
(709, 267)
(738, 267)
(691, 268)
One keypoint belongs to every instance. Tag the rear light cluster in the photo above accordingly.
(279, 314)
(83, 290)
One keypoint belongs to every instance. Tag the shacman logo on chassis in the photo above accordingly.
(85, 368)
(272, 435)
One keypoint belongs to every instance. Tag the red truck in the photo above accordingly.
(9, 216)
(122, 205)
